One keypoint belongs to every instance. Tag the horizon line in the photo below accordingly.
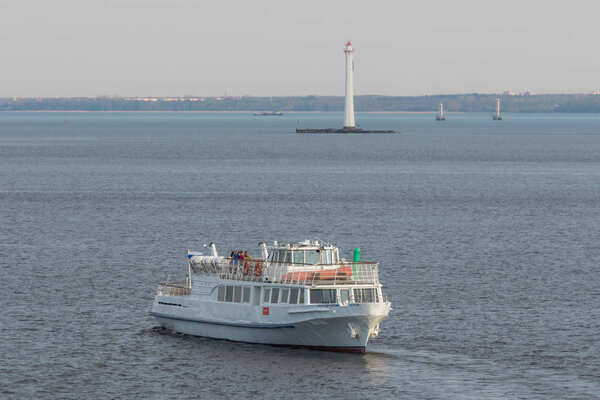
(225, 96)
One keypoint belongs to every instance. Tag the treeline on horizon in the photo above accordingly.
(544, 103)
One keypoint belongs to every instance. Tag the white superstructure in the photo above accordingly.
(349, 105)
(299, 295)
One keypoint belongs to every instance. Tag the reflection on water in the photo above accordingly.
(377, 367)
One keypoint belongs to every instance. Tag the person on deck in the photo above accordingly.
(247, 263)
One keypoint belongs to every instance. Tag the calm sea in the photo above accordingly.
(487, 234)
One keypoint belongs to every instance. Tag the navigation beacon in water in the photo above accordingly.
(497, 116)
(440, 116)
(298, 295)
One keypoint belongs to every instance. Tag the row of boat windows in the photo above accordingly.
(235, 294)
(287, 296)
(312, 257)
(241, 294)
(328, 296)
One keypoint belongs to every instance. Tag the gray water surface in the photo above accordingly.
(487, 234)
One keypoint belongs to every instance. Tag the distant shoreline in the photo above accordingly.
(221, 112)
(463, 103)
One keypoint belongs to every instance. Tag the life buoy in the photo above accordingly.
(257, 269)
(246, 267)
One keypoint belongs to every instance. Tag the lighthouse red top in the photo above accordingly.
(348, 48)
(349, 43)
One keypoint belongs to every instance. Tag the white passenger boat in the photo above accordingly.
(298, 295)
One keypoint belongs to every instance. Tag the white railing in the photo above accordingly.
(345, 273)
(174, 289)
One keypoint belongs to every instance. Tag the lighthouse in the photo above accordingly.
(349, 126)
(349, 106)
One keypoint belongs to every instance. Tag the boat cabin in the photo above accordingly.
(306, 252)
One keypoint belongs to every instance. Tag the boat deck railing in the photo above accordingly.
(343, 273)
(257, 270)
(174, 289)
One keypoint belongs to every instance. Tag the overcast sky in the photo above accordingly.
(280, 48)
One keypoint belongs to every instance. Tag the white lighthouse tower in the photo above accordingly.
(349, 126)
(349, 106)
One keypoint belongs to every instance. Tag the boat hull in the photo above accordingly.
(333, 327)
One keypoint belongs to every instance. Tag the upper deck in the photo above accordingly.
(301, 264)
(306, 263)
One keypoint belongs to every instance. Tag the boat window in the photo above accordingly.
(326, 256)
(229, 293)
(274, 295)
(301, 301)
(369, 295)
(266, 295)
(246, 294)
(284, 295)
(288, 257)
(318, 296)
(365, 296)
(312, 257)
(237, 294)
(345, 296)
(221, 293)
(294, 296)
(299, 257)
(272, 256)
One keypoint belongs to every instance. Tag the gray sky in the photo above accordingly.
(278, 47)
